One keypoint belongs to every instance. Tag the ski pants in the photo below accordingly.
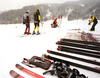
(93, 26)
(36, 25)
(27, 26)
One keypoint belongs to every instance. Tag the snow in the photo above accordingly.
(49, 5)
(82, 5)
(13, 48)
(49, 13)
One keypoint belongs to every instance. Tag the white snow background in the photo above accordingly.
(14, 48)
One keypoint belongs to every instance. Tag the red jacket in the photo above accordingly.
(55, 20)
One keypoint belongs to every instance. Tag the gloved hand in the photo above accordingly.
(39, 21)
(89, 24)
(23, 22)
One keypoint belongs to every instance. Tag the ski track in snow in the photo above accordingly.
(14, 48)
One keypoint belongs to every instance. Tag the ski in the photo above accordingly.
(73, 57)
(70, 50)
(79, 50)
(31, 35)
(28, 71)
(73, 36)
(84, 36)
(73, 64)
(81, 42)
(89, 36)
(66, 43)
(15, 74)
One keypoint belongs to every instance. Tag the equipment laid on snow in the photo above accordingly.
(63, 70)
(69, 50)
(73, 57)
(73, 64)
(81, 42)
(37, 61)
(79, 50)
(67, 43)
(15, 74)
(28, 71)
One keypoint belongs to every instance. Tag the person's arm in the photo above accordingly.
(92, 20)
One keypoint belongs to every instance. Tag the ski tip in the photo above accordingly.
(17, 65)
(48, 51)
(59, 46)
(11, 71)
(57, 42)
(61, 39)
(46, 56)
(59, 49)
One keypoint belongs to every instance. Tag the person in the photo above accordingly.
(55, 22)
(36, 21)
(26, 21)
(54, 25)
(94, 20)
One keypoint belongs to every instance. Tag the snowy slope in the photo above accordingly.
(13, 48)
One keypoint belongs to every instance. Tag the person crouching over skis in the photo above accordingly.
(36, 21)
(94, 20)
(26, 21)
(55, 22)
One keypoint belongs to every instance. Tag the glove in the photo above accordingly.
(39, 21)
(23, 22)
(88, 23)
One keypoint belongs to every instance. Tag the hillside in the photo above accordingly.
(72, 10)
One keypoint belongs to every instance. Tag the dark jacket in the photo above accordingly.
(37, 16)
(93, 19)
(26, 18)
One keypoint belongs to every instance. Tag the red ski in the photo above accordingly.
(28, 71)
(15, 74)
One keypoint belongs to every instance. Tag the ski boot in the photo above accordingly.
(25, 32)
(38, 33)
(33, 33)
(91, 30)
(28, 33)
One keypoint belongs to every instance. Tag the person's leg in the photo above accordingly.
(93, 27)
(38, 28)
(28, 26)
(25, 29)
(34, 28)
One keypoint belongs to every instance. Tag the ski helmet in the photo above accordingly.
(38, 10)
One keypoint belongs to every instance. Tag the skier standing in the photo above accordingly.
(26, 21)
(94, 20)
(36, 21)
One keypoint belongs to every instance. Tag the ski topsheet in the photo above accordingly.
(78, 50)
(73, 57)
(15, 74)
(65, 49)
(66, 43)
(28, 71)
(81, 42)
